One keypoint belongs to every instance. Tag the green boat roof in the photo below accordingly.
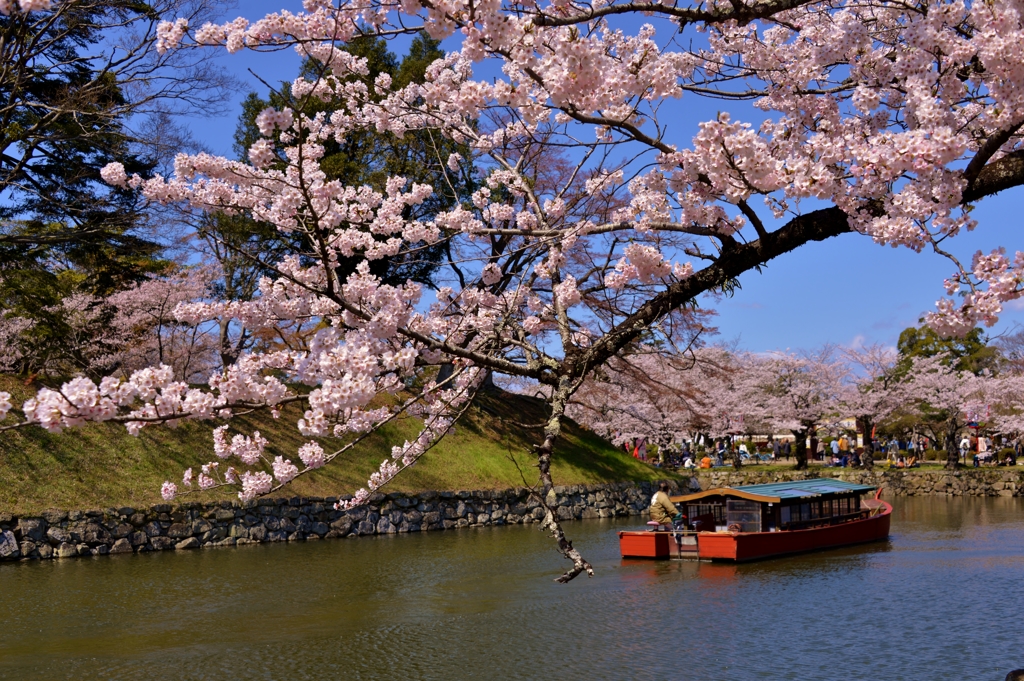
(798, 489)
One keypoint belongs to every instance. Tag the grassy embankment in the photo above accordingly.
(101, 465)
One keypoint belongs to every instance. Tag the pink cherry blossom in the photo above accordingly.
(168, 491)
(284, 470)
(254, 484)
(312, 455)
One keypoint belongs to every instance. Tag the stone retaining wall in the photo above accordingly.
(967, 482)
(64, 534)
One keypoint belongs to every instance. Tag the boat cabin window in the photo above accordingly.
(819, 509)
(743, 516)
(697, 510)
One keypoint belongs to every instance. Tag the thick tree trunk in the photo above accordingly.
(952, 451)
(868, 459)
(228, 353)
(552, 430)
(800, 449)
(737, 462)
(866, 424)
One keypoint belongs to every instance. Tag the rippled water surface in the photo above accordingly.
(941, 600)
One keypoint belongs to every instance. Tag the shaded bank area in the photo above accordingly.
(966, 482)
(62, 534)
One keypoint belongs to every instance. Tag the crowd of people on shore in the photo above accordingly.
(841, 451)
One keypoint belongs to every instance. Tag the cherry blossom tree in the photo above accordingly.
(1004, 403)
(945, 397)
(891, 120)
(796, 392)
(145, 332)
(659, 396)
(118, 334)
(877, 389)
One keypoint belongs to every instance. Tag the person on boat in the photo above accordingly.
(663, 511)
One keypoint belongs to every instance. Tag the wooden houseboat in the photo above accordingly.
(760, 521)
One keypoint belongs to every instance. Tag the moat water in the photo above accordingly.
(942, 599)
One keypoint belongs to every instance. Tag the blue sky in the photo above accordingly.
(847, 290)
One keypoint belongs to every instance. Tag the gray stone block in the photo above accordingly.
(161, 543)
(121, 530)
(190, 543)
(237, 531)
(121, 546)
(342, 525)
(94, 533)
(9, 549)
(258, 533)
(53, 516)
(57, 535)
(32, 528)
(179, 531)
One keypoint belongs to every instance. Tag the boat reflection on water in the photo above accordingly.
(719, 573)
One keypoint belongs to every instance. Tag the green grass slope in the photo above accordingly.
(101, 465)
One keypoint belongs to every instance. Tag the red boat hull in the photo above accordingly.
(743, 546)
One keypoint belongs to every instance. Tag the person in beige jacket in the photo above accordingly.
(662, 508)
